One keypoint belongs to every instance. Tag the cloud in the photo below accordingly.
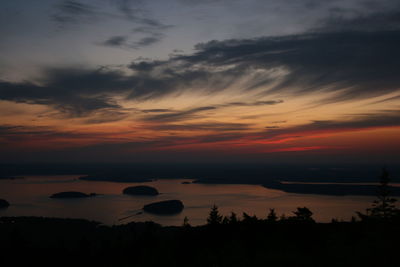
(203, 2)
(150, 30)
(168, 115)
(179, 115)
(353, 64)
(362, 63)
(382, 119)
(394, 98)
(210, 126)
(118, 41)
(74, 92)
(233, 137)
(135, 11)
(157, 110)
(107, 115)
(146, 41)
(73, 12)
(147, 30)
(251, 104)
(380, 20)
(121, 41)
(16, 133)
(242, 133)
(145, 66)
(299, 149)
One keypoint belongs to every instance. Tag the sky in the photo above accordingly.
(289, 81)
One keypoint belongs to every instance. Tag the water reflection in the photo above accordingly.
(30, 197)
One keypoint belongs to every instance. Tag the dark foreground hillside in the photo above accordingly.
(67, 242)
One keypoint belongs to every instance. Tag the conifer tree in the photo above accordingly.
(233, 218)
(384, 207)
(303, 214)
(186, 222)
(214, 217)
(272, 217)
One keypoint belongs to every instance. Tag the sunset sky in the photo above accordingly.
(200, 81)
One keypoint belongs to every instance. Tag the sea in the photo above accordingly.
(30, 196)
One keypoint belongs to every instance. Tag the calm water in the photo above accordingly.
(30, 197)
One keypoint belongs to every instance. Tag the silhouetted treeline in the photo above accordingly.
(247, 242)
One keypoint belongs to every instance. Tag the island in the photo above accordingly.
(4, 204)
(142, 190)
(167, 207)
(72, 194)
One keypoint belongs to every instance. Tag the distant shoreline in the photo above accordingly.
(316, 188)
(11, 177)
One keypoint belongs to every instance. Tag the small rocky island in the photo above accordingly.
(72, 194)
(4, 204)
(141, 190)
(168, 207)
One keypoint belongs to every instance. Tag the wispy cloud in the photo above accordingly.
(74, 12)
(357, 64)
(179, 115)
(74, 92)
(118, 41)
(168, 115)
(382, 119)
(209, 126)
(147, 30)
